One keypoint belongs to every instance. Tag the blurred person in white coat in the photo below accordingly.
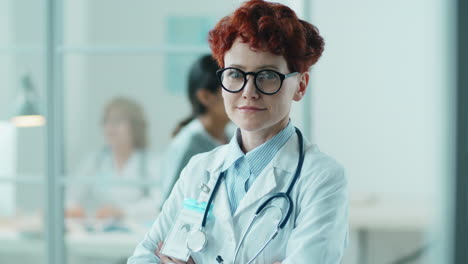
(125, 157)
(269, 196)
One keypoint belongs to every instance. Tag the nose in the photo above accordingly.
(250, 91)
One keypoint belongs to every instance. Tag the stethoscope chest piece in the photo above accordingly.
(196, 240)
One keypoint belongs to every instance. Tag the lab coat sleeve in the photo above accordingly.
(320, 233)
(144, 252)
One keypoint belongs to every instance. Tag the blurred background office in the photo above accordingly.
(381, 101)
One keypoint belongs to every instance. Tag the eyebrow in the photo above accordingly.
(268, 66)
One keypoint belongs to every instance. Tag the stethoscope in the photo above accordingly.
(197, 240)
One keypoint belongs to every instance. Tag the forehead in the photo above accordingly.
(242, 56)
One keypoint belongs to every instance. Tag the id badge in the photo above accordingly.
(188, 219)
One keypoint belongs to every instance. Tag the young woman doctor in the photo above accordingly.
(265, 53)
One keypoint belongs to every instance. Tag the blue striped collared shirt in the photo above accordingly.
(242, 169)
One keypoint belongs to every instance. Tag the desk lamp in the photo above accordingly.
(27, 112)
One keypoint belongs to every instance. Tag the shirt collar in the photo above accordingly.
(234, 151)
(259, 157)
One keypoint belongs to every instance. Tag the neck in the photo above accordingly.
(214, 126)
(253, 139)
(121, 155)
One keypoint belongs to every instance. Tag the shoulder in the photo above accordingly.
(192, 129)
(209, 161)
(318, 161)
(204, 164)
(318, 168)
(189, 137)
(199, 170)
(321, 173)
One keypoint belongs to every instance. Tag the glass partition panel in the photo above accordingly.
(22, 138)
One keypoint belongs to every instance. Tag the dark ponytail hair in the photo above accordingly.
(202, 75)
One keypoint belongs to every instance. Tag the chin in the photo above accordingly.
(248, 125)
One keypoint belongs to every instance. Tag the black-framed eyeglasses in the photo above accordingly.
(266, 81)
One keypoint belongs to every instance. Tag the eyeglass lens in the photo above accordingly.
(234, 80)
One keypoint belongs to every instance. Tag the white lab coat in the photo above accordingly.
(100, 174)
(317, 231)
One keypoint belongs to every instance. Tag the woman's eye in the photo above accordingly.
(234, 74)
(268, 75)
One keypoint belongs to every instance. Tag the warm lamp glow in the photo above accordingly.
(28, 121)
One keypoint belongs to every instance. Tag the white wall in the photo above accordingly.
(381, 102)
(383, 106)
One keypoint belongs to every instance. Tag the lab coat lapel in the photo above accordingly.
(221, 207)
(263, 185)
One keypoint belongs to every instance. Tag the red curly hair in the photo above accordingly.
(269, 27)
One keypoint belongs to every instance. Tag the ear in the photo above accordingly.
(303, 82)
(204, 97)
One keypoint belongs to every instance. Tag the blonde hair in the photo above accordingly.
(133, 112)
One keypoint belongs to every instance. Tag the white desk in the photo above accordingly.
(391, 214)
(90, 245)
(373, 213)
(102, 245)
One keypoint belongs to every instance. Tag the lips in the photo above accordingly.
(250, 109)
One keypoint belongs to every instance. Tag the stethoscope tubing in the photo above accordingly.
(289, 203)
(210, 200)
